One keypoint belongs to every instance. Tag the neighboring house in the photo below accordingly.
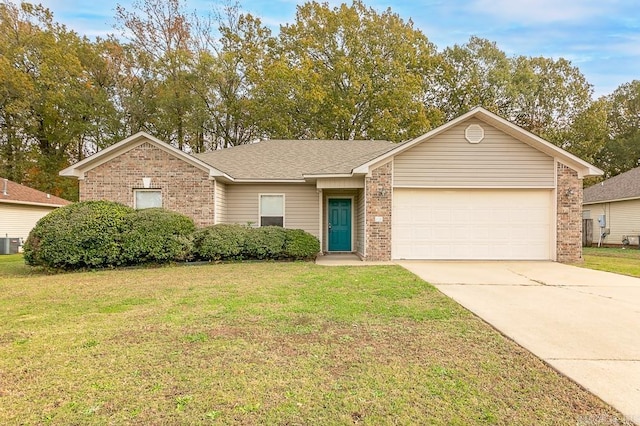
(618, 199)
(477, 187)
(21, 207)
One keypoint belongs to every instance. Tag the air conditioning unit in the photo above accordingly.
(631, 240)
(9, 245)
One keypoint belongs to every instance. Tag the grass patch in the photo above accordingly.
(624, 261)
(263, 343)
(12, 265)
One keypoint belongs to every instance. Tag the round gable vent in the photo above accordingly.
(474, 133)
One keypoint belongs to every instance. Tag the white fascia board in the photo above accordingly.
(405, 146)
(584, 169)
(70, 171)
(269, 181)
(614, 200)
(77, 170)
(523, 188)
(32, 203)
(326, 175)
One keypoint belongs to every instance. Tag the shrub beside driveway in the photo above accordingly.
(263, 343)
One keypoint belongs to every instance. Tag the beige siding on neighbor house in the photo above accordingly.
(18, 220)
(300, 203)
(623, 218)
(221, 203)
(448, 160)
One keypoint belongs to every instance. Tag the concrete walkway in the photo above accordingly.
(584, 323)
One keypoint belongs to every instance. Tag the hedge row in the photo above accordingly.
(97, 234)
(235, 242)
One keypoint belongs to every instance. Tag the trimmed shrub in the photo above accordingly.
(79, 235)
(237, 242)
(97, 234)
(156, 236)
(220, 242)
(300, 245)
(266, 242)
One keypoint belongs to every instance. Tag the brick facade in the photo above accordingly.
(569, 223)
(185, 188)
(189, 190)
(379, 195)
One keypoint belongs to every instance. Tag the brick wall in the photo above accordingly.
(379, 193)
(569, 231)
(185, 188)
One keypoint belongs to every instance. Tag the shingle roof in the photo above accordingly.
(623, 186)
(20, 194)
(291, 159)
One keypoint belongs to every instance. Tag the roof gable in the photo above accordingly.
(582, 167)
(77, 170)
(15, 193)
(624, 186)
(495, 159)
(300, 160)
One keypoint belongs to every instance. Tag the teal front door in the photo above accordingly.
(339, 224)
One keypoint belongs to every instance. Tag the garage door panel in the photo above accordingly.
(438, 216)
(487, 233)
(471, 224)
(419, 212)
(460, 215)
(460, 233)
(501, 216)
(440, 234)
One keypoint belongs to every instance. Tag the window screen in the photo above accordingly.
(271, 210)
(146, 199)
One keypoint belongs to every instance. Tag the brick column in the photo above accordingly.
(569, 210)
(378, 193)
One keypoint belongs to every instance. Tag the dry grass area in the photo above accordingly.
(263, 343)
(624, 261)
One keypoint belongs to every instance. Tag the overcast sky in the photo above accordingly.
(601, 37)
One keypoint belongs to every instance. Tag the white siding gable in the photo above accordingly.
(449, 160)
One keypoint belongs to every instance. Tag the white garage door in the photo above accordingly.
(472, 224)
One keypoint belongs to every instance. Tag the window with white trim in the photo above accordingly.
(147, 198)
(271, 210)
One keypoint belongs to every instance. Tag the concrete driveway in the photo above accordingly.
(584, 323)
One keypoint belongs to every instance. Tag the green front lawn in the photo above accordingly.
(13, 265)
(263, 343)
(619, 260)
